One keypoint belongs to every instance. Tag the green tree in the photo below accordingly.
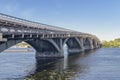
(112, 43)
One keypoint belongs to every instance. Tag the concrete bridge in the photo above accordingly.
(47, 40)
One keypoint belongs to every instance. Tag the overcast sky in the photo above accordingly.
(98, 17)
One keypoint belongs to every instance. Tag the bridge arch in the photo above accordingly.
(87, 44)
(8, 44)
(38, 45)
(74, 45)
(94, 43)
(44, 46)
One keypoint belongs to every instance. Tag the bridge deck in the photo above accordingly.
(11, 26)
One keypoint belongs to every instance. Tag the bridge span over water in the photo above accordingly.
(46, 39)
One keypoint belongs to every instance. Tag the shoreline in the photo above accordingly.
(19, 51)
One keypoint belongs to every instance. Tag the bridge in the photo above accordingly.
(47, 40)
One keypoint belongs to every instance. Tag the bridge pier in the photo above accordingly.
(47, 48)
(2, 39)
(47, 40)
(82, 44)
(53, 48)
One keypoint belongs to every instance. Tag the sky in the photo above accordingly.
(97, 17)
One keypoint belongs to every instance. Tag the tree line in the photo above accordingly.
(111, 43)
(23, 45)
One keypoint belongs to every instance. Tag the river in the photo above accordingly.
(100, 64)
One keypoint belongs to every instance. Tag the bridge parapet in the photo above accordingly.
(44, 38)
(31, 24)
(10, 24)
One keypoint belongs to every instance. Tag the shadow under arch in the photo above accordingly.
(38, 45)
(8, 44)
(86, 44)
(17, 46)
(42, 45)
(74, 45)
(94, 43)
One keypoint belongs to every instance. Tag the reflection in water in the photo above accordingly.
(65, 49)
(14, 65)
(61, 69)
(101, 64)
(65, 61)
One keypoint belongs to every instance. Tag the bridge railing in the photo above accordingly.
(30, 23)
(39, 27)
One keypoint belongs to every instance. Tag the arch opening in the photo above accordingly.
(74, 45)
(87, 44)
(44, 48)
(42, 45)
(20, 46)
(17, 55)
(94, 43)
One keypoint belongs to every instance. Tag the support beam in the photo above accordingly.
(1, 38)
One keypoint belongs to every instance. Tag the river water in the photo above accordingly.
(100, 64)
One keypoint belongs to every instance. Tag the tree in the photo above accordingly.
(112, 43)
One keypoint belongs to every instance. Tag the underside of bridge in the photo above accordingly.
(47, 40)
(54, 47)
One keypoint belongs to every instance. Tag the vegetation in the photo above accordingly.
(112, 43)
(23, 45)
(51, 75)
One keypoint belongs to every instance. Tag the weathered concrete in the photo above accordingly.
(47, 40)
(54, 47)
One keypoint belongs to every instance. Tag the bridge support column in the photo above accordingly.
(87, 44)
(47, 48)
(82, 43)
(59, 44)
(74, 45)
(91, 44)
(1, 38)
(97, 45)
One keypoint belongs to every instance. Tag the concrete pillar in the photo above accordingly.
(96, 45)
(30, 35)
(13, 36)
(91, 44)
(1, 36)
(61, 47)
(37, 35)
(59, 42)
(43, 36)
(82, 43)
(23, 35)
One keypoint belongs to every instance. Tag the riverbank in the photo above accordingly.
(18, 50)
(112, 43)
